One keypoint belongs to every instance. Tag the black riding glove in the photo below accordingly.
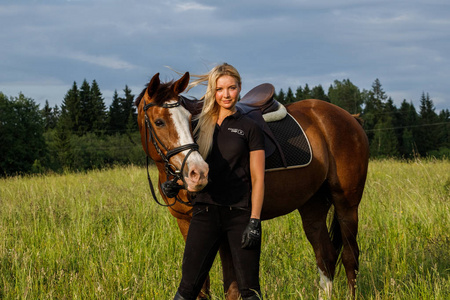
(251, 238)
(170, 188)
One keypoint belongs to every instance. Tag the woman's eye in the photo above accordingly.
(159, 123)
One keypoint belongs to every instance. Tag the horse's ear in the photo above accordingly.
(181, 84)
(153, 85)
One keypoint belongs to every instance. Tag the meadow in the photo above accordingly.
(99, 235)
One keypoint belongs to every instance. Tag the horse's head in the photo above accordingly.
(166, 133)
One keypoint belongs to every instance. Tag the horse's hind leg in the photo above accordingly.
(346, 209)
(314, 216)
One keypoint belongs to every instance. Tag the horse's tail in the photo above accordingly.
(359, 119)
(335, 234)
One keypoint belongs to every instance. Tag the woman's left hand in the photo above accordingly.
(251, 238)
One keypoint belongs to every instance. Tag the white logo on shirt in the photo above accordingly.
(236, 130)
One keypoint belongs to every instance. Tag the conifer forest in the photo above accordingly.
(82, 133)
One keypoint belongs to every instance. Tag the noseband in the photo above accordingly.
(170, 169)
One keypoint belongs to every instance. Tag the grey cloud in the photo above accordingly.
(289, 43)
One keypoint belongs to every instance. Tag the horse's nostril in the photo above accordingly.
(194, 175)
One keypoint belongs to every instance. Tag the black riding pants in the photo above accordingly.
(211, 224)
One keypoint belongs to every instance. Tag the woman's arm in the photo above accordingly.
(257, 168)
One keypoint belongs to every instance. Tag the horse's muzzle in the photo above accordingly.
(196, 177)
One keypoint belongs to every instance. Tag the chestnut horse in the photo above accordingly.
(335, 176)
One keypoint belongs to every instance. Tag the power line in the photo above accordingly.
(409, 126)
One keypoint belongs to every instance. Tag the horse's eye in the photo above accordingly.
(159, 123)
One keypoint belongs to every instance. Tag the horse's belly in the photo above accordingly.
(286, 191)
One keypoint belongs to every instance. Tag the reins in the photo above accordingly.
(170, 170)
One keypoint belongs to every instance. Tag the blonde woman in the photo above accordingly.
(230, 205)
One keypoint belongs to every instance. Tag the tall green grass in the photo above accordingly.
(99, 235)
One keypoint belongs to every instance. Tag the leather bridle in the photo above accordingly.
(170, 169)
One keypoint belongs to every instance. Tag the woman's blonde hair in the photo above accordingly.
(207, 119)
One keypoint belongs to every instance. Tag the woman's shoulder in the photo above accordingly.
(250, 122)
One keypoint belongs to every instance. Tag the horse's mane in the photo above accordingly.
(163, 93)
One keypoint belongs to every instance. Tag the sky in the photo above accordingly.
(46, 45)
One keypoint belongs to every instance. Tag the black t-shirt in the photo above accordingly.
(229, 181)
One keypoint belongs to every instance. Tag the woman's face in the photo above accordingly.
(227, 91)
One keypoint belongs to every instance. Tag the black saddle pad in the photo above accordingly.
(293, 142)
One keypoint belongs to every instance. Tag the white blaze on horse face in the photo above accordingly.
(196, 170)
(326, 286)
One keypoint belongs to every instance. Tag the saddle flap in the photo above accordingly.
(270, 143)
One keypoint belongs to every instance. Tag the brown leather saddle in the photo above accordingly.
(261, 97)
(254, 104)
(286, 143)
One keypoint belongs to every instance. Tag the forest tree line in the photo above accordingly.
(399, 132)
(83, 133)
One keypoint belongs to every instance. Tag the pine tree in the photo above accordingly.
(99, 109)
(306, 92)
(62, 145)
(408, 145)
(56, 114)
(318, 92)
(120, 112)
(289, 97)
(128, 109)
(408, 114)
(47, 116)
(378, 92)
(428, 131)
(68, 124)
(391, 111)
(427, 109)
(50, 116)
(86, 107)
(384, 143)
(376, 97)
(299, 93)
(407, 122)
(115, 120)
(346, 95)
(70, 110)
(374, 106)
(444, 129)
(281, 97)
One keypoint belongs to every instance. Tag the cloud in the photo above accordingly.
(110, 62)
(406, 44)
(186, 6)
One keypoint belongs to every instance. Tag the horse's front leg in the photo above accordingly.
(230, 285)
(205, 293)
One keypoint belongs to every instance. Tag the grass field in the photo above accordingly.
(99, 235)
